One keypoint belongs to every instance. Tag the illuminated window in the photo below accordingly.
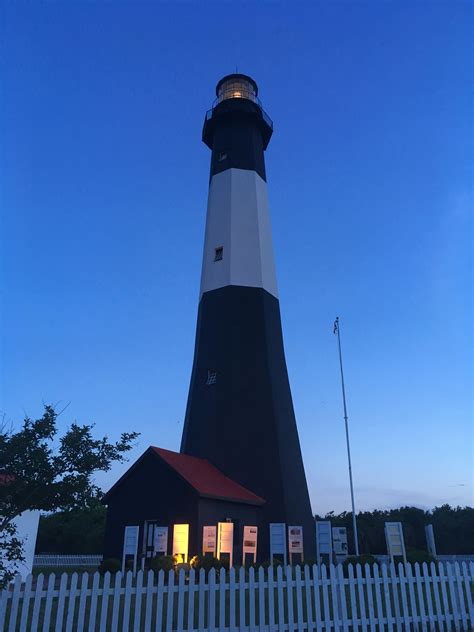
(218, 253)
(211, 377)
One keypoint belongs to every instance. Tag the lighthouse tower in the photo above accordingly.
(239, 413)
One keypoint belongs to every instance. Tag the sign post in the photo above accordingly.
(130, 546)
(225, 540)
(430, 540)
(295, 542)
(339, 543)
(323, 540)
(180, 540)
(209, 540)
(394, 539)
(250, 543)
(278, 540)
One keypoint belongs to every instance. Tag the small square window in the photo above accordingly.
(211, 377)
(218, 253)
(222, 155)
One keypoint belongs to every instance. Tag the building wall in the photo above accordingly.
(153, 491)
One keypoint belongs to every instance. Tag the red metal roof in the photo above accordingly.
(206, 479)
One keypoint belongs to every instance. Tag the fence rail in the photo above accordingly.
(394, 599)
(51, 559)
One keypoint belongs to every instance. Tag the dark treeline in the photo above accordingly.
(82, 531)
(453, 528)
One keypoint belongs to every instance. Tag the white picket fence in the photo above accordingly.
(425, 599)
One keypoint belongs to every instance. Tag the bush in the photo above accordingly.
(110, 565)
(418, 555)
(276, 562)
(206, 562)
(162, 563)
(360, 559)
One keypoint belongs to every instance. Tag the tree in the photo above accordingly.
(41, 472)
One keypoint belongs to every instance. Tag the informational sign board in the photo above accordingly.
(295, 542)
(339, 543)
(130, 546)
(250, 543)
(430, 540)
(278, 540)
(181, 540)
(394, 539)
(209, 540)
(323, 541)
(160, 540)
(225, 540)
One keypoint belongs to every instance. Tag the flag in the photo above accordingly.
(336, 326)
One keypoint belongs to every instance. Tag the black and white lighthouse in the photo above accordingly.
(240, 412)
(240, 458)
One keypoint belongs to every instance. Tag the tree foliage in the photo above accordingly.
(453, 528)
(41, 471)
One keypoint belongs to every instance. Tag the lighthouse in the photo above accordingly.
(240, 458)
(239, 413)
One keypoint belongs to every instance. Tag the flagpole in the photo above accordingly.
(354, 521)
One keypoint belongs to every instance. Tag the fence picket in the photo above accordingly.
(15, 603)
(126, 601)
(82, 603)
(201, 602)
(71, 606)
(460, 592)
(48, 604)
(335, 598)
(25, 603)
(324, 585)
(36, 603)
(170, 602)
(116, 600)
(150, 584)
(271, 599)
(467, 585)
(386, 593)
(281, 604)
(4, 594)
(443, 582)
(370, 597)
(454, 598)
(341, 586)
(179, 623)
(191, 590)
(138, 601)
(222, 590)
(299, 598)
(232, 623)
(104, 602)
(93, 602)
(411, 591)
(309, 605)
(160, 598)
(403, 595)
(429, 602)
(439, 612)
(211, 624)
(396, 601)
(360, 590)
(252, 598)
(352, 593)
(317, 598)
(261, 599)
(289, 598)
(378, 597)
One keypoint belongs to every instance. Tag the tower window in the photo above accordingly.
(222, 155)
(218, 253)
(211, 377)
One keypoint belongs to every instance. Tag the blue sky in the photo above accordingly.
(104, 188)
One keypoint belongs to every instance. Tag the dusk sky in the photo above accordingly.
(103, 200)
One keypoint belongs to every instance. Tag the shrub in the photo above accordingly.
(418, 555)
(110, 565)
(360, 559)
(276, 562)
(206, 562)
(162, 563)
